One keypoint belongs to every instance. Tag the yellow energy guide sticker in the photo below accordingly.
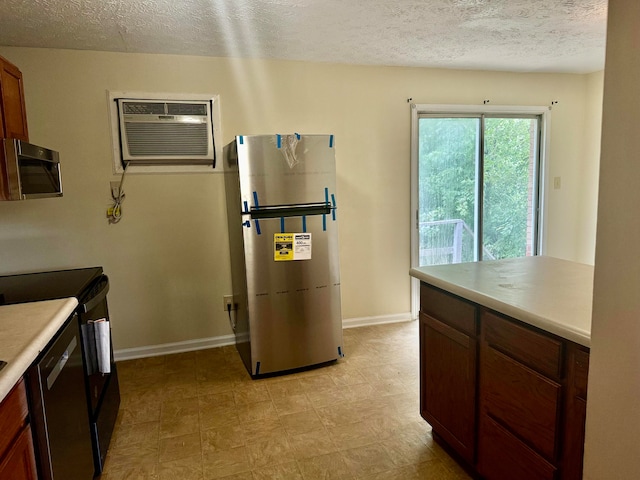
(291, 246)
(283, 246)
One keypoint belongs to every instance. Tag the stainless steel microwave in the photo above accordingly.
(32, 171)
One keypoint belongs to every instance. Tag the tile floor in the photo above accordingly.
(199, 416)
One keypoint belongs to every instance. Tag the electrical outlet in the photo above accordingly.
(115, 189)
(228, 301)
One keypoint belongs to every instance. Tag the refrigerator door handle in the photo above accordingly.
(297, 210)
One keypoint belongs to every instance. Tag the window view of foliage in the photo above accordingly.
(448, 171)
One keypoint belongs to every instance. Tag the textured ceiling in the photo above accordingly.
(515, 35)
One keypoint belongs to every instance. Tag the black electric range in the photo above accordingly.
(34, 287)
(90, 286)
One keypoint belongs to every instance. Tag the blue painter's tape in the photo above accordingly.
(257, 368)
(304, 224)
(297, 136)
(279, 140)
(241, 138)
(246, 207)
(324, 215)
(257, 205)
(333, 210)
(340, 354)
(330, 141)
(281, 224)
(246, 224)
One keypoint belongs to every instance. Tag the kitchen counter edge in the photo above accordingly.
(25, 330)
(575, 326)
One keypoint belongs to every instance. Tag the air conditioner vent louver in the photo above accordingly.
(143, 108)
(165, 132)
(170, 139)
(186, 109)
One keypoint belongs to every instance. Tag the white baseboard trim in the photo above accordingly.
(378, 320)
(212, 342)
(169, 348)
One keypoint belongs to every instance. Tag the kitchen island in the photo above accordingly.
(504, 348)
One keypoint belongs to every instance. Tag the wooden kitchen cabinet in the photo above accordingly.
(509, 398)
(17, 458)
(520, 400)
(576, 408)
(13, 116)
(448, 369)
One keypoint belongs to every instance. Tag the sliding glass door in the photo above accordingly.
(477, 182)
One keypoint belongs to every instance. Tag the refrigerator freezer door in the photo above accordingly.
(277, 171)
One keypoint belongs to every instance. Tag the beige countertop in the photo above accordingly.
(552, 294)
(25, 330)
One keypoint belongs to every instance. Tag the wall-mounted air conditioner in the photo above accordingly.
(166, 132)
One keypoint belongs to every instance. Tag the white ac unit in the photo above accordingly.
(166, 132)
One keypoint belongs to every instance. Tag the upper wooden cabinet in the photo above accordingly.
(13, 121)
(13, 117)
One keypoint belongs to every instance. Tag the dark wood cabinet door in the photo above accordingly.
(20, 463)
(521, 398)
(502, 456)
(14, 115)
(576, 413)
(448, 384)
(17, 458)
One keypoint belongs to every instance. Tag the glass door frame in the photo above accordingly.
(541, 178)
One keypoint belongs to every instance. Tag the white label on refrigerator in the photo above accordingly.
(302, 246)
(291, 246)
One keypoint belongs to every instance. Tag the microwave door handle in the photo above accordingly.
(40, 159)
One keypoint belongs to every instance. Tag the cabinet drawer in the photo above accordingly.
(13, 412)
(502, 456)
(536, 350)
(522, 399)
(449, 309)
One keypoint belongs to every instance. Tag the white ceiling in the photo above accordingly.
(514, 35)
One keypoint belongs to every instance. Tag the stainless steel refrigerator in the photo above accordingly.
(283, 235)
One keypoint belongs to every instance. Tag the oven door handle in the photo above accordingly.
(98, 297)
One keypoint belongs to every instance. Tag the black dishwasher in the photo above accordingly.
(57, 394)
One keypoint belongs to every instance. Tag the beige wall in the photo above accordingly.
(587, 199)
(613, 415)
(168, 257)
